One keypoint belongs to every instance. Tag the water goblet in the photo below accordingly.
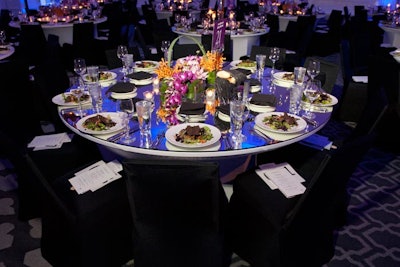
(127, 66)
(237, 108)
(80, 69)
(260, 61)
(312, 93)
(122, 50)
(78, 93)
(164, 48)
(126, 108)
(313, 69)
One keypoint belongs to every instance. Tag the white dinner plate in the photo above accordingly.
(261, 109)
(279, 77)
(59, 100)
(114, 117)
(171, 132)
(213, 147)
(234, 64)
(141, 82)
(333, 102)
(255, 88)
(111, 76)
(224, 117)
(154, 65)
(301, 123)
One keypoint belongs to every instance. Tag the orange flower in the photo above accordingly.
(212, 61)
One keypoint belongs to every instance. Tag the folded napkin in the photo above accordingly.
(224, 109)
(140, 75)
(254, 82)
(122, 88)
(243, 71)
(263, 100)
(192, 108)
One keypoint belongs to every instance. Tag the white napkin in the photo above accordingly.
(360, 79)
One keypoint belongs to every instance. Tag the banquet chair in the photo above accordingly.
(328, 73)
(32, 44)
(326, 38)
(206, 41)
(89, 229)
(297, 231)
(114, 62)
(264, 50)
(183, 50)
(178, 209)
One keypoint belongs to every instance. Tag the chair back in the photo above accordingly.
(273, 23)
(264, 50)
(32, 43)
(206, 41)
(178, 211)
(328, 73)
(273, 235)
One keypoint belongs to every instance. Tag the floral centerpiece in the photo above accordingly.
(183, 80)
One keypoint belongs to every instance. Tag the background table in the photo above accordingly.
(6, 53)
(63, 30)
(391, 35)
(241, 43)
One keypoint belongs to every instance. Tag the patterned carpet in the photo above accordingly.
(371, 238)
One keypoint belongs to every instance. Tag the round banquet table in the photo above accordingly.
(6, 51)
(252, 146)
(241, 43)
(391, 35)
(62, 29)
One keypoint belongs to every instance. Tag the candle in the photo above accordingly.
(156, 86)
(148, 95)
(210, 96)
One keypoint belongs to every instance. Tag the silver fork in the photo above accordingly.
(156, 142)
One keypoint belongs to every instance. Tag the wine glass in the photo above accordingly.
(313, 69)
(312, 93)
(164, 48)
(274, 57)
(122, 50)
(2, 37)
(126, 108)
(80, 69)
(177, 18)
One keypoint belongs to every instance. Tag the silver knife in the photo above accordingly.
(119, 135)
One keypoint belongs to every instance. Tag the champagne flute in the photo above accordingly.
(80, 69)
(312, 92)
(164, 48)
(313, 69)
(126, 108)
(122, 50)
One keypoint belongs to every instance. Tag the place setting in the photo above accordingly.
(140, 78)
(279, 126)
(193, 137)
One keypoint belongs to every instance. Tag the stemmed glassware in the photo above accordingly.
(274, 57)
(312, 92)
(78, 93)
(2, 37)
(122, 50)
(164, 48)
(313, 69)
(177, 18)
(126, 108)
(80, 69)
